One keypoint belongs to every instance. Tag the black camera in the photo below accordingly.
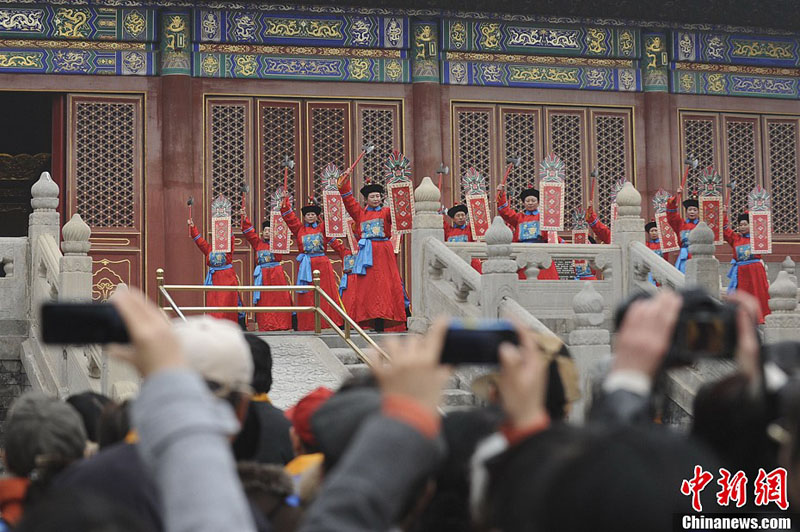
(706, 328)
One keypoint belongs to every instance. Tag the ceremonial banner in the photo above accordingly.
(279, 236)
(667, 238)
(478, 209)
(401, 205)
(351, 235)
(552, 237)
(332, 204)
(551, 193)
(760, 218)
(401, 192)
(221, 229)
(580, 228)
(473, 185)
(710, 201)
(396, 239)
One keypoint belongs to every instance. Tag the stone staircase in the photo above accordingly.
(457, 394)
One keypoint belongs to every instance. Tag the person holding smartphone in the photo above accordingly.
(525, 224)
(220, 273)
(268, 272)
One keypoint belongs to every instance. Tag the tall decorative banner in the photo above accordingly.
(760, 216)
(279, 239)
(401, 192)
(221, 229)
(474, 186)
(351, 234)
(580, 235)
(551, 193)
(332, 204)
(710, 201)
(396, 239)
(666, 235)
(612, 215)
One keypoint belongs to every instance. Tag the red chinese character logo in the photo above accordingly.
(696, 485)
(771, 487)
(732, 489)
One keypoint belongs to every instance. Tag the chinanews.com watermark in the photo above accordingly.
(768, 492)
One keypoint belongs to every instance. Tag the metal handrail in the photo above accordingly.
(319, 313)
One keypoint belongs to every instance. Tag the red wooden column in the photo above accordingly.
(659, 126)
(426, 96)
(183, 263)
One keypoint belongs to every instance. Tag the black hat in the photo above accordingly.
(265, 224)
(649, 226)
(743, 217)
(691, 202)
(452, 211)
(316, 209)
(529, 192)
(369, 188)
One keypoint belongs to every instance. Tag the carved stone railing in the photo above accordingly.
(56, 276)
(644, 264)
(454, 285)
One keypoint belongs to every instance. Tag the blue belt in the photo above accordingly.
(343, 284)
(683, 256)
(304, 269)
(364, 256)
(212, 270)
(258, 279)
(733, 273)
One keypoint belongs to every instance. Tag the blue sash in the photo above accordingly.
(258, 279)
(680, 262)
(364, 256)
(304, 275)
(347, 266)
(212, 270)
(733, 273)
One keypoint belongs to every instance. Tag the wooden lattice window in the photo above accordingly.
(279, 126)
(611, 133)
(781, 140)
(378, 125)
(105, 154)
(474, 133)
(228, 152)
(566, 130)
(700, 141)
(521, 138)
(330, 141)
(742, 158)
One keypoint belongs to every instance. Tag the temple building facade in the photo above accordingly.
(134, 107)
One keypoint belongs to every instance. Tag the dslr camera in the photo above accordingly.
(706, 328)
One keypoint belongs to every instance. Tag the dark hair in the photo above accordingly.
(265, 224)
(262, 363)
(76, 511)
(114, 424)
(89, 405)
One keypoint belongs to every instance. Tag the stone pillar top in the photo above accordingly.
(788, 265)
(498, 233)
(44, 193)
(783, 293)
(629, 200)
(701, 240)
(427, 192)
(76, 236)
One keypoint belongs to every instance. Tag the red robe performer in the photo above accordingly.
(375, 290)
(268, 272)
(747, 271)
(220, 273)
(459, 231)
(311, 242)
(683, 227)
(526, 225)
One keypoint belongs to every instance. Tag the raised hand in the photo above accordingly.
(190, 222)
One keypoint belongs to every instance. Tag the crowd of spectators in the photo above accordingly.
(202, 447)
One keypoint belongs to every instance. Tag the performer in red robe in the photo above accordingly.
(683, 227)
(268, 272)
(747, 271)
(525, 225)
(312, 241)
(220, 273)
(374, 294)
(459, 230)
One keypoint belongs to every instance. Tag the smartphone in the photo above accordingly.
(82, 323)
(476, 341)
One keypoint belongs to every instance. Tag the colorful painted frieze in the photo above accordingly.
(222, 65)
(479, 36)
(728, 84)
(713, 47)
(71, 61)
(557, 77)
(78, 22)
(303, 30)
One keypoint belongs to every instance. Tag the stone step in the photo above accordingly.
(346, 355)
(358, 370)
(457, 398)
(334, 341)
